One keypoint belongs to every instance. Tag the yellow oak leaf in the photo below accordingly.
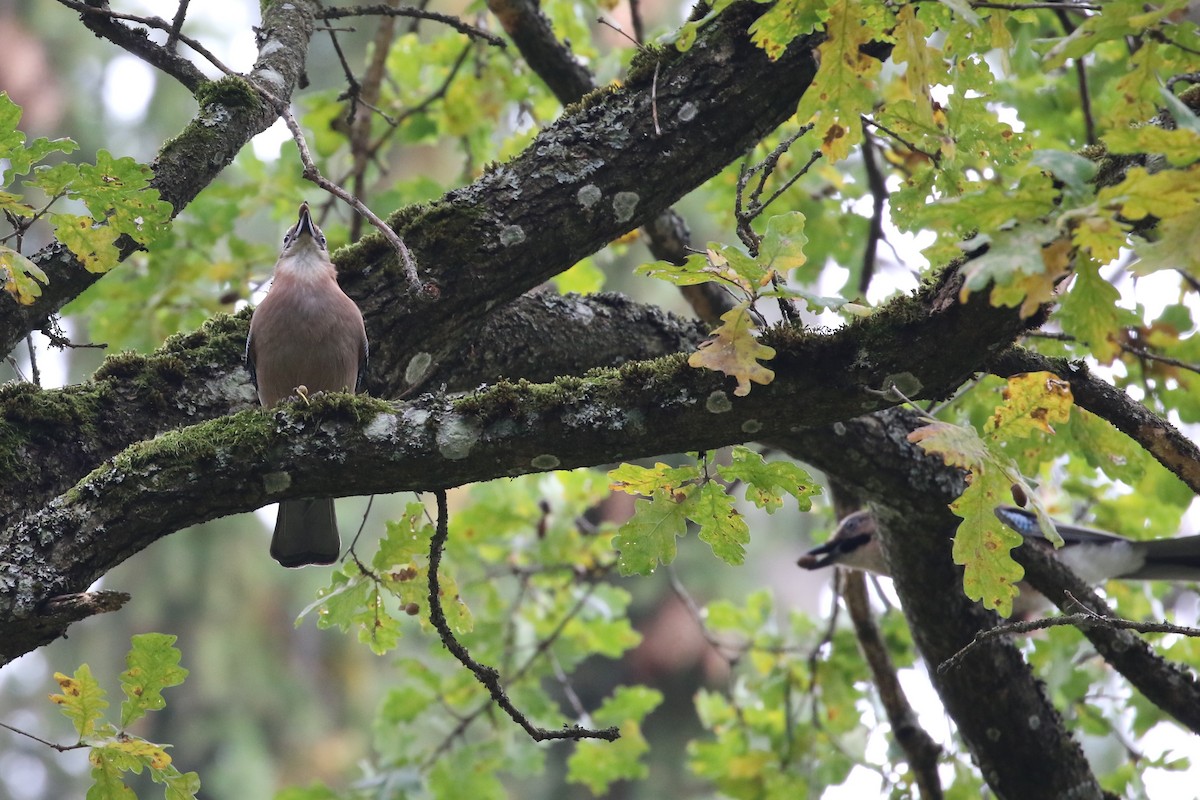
(735, 351)
(1033, 402)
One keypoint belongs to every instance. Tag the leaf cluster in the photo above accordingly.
(152, 665)
(115, 192)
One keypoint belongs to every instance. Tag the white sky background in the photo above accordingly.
(127, 91)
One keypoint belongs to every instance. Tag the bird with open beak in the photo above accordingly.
(306, 336)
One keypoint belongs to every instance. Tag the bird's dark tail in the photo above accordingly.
(1171, 559)
(306, 533)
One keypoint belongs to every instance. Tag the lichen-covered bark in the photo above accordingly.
(641, 409)
(50, 439)
(597, 173)
(600, 171)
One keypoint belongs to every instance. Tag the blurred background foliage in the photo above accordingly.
(724, 681)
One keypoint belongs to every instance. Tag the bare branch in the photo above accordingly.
(103, 22)
(415, 13)
(177, 24)
(551, 59)
(62, 748)
(748, 209)
(311, 173)
(922, 751)
(879, 196)
(935, 157)
(1141, 352)
(1069, 6)
(1173, 688)
(487, 675)
(1085, 619)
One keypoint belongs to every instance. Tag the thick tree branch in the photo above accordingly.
(582, 183)
(667, 235)
(642, 409)
(1156, 435)
(1170, 687)
(53, 438)
(1016, 736)
(551, 59)
(107, 24)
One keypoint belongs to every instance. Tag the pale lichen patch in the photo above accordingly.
(457, 435)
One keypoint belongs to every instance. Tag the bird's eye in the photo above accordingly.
(321, 237)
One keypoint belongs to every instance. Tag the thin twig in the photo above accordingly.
(353, 87)
(1146, 354)
(361, 527)
(33, 367)
(177, 24)
(879, 194)
(416, 13)
(569, 692)
(1086, 619)
(313, 174)
(394, 124)
(922, 751)
(654, 84)
(12, 362)
(1190, 280)
(1085, 97)
(63, 343)
(368, 93)
(62, 748)
(1054, 336)
(485, 674)
(635, 17)
(816, 154)
(814, 655)
(654, 100)
(415, 23)
(542, 647)
(1033, 6)
(934, 157)
(22, 224)
(746, 210)
(1085, 101)
(727, 652)
(151, 22)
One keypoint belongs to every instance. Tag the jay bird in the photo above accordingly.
(306, 336)
(1095, 556)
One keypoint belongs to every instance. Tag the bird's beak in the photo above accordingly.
(833, 552)
(305, 224)
(819, 557)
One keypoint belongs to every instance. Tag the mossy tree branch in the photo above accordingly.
(238, 463)
(597, 173)
(50, 439)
